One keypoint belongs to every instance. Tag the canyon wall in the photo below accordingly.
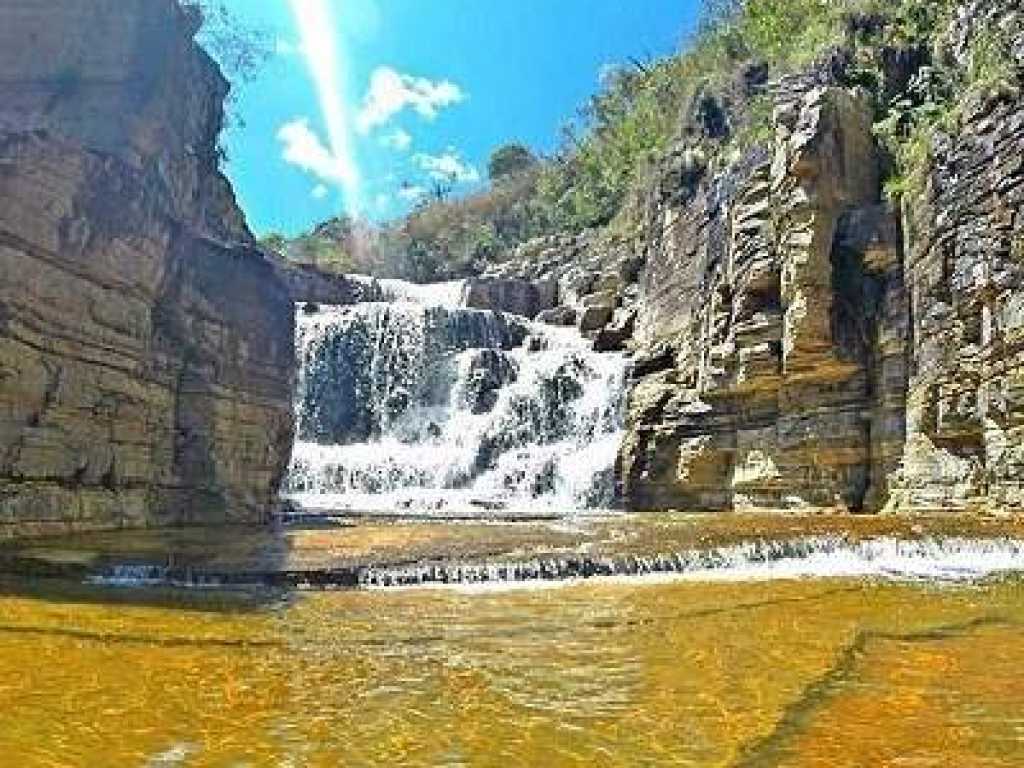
(146, 348)
(802, 343)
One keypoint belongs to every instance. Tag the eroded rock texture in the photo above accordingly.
(773, 298)
(965, 445)
(801, 344)
(145, 348)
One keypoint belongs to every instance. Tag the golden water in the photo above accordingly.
(801, 673)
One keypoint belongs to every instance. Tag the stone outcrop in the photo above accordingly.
(588, 281)
(146, 348)
(965, 442)
(308, 285)
(527, 298)
(778, 322)
(801, 344)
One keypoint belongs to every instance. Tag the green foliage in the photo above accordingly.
(274, 241)
(784, 33)
(938, 98)
(448, 239)
(240, 49)
(441, 239)
(990, 64)
(711, 101)
(509, 161)
(628, 123)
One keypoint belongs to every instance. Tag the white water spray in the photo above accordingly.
(419, 405)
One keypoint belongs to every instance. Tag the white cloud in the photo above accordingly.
(397, 140)
(302, 147)
(447, 166)
(319, 192)
(333, 162)
(411, 193)
(390, 92)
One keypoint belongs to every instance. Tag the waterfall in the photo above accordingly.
(417, 404)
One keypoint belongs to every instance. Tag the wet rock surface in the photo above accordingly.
(361, 552)
(518, 297)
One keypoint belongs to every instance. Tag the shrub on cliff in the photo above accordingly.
(712, 100)
(441, 239)
(509, 161)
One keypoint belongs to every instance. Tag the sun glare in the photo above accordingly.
(315, 21)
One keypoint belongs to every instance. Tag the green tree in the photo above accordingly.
(510, 160)
(274, 241)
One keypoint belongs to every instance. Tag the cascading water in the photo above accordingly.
(416, 404)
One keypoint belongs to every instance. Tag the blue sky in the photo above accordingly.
(365, 101)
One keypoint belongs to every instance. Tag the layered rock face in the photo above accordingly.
(965, 443)
(146, 349)
(774, 364)
(801, 344)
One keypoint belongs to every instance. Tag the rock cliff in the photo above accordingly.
(802, 343)
(772, 324)
(146, 348)
(800, 339)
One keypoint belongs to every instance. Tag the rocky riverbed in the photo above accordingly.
(750, 670)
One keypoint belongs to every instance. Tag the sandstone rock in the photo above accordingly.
(831, 351)
(786, 391)
(146, 348)
(595, 318)
(517, 297)
(965, 415)
(307, 284)
(565, 316)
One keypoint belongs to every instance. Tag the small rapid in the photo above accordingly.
(952, 560)
(419, 405)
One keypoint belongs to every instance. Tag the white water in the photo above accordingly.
(419, 405)
(447, 295)
(933, 561)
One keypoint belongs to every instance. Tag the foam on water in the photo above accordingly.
(421, 406)
(448, 295)
(937, 561)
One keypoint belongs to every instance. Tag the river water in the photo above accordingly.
(691, 641)
(912, 661)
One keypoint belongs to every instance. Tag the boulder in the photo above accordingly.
(517, 297)
(595, 318)
(613, 337)
(564, 316)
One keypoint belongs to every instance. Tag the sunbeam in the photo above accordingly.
(319, 45)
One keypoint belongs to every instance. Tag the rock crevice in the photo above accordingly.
(818, 347)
